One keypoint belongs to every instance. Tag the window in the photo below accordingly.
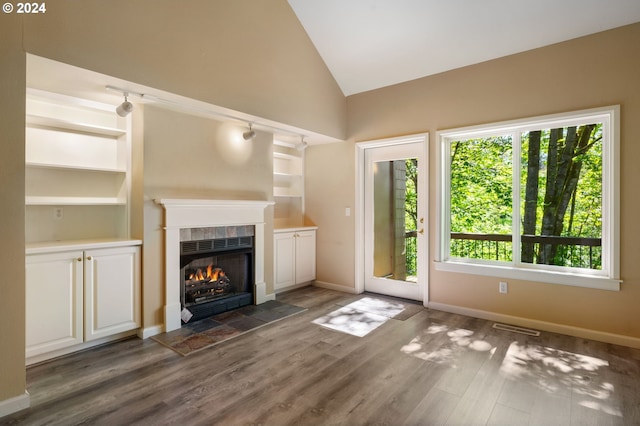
(533, 199)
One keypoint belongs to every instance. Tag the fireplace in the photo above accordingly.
(193, 219)
(216, 276)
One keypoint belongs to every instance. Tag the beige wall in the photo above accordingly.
(593, 71)
(12, 104)
(251, 56)
(329, 189)
(193, 157)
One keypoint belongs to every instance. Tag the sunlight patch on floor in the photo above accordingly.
(457, 341)
(361, 317)
(557, 371)
(378, 306)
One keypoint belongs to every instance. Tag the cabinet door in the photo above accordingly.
(53, 301)
(305, 256)
(284, 259)
(112, 291)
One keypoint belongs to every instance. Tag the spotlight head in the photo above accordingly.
(124, 108)
(249, 134)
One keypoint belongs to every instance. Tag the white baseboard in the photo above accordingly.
(335, 287)
(145, 333)
(616, 339)
(292, 287)
(267, 297)
(15, 404)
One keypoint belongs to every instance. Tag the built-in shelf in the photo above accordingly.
(285, 193)
(52, 166)
(66, 125)
(73, 201)
(288, 185)
(286, 175)
(286, 156)
(77, 156)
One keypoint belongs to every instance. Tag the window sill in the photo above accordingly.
(575, 280)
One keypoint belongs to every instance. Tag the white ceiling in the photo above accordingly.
(368, 44)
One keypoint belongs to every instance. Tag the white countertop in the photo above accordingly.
(69, 245)
(295, 228)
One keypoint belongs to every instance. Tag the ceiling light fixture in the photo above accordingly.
(303, 145)
(124, 108)
(249, 134)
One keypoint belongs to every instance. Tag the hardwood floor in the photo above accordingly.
(431, 368)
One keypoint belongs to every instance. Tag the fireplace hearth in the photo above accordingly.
(216, 276)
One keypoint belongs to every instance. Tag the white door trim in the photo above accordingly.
(360, 168)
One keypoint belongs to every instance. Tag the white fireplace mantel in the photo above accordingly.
(198, 213)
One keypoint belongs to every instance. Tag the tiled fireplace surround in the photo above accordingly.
(188, 220)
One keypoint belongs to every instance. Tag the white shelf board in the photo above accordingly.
(69, 245)
(286, 156)
(283, 193)
(37, 120)
(287, 175)
(76, 201)
(72, 167)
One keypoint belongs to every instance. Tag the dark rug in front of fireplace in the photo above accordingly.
(193, 337)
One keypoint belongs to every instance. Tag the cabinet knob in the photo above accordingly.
(89, 258)
(79, 259)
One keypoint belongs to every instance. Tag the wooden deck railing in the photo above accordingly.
(577, 251)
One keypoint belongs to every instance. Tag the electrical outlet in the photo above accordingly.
(503, 287)
(58, 213)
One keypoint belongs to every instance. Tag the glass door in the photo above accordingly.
(395, 226)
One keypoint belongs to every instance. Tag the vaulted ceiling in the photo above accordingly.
(368, 44)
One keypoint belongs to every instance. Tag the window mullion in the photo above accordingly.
(515, 196)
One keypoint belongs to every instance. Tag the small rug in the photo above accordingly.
(364, 315)
(202, 334)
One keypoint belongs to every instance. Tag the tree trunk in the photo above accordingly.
(555, 136)
(562, 185)
(531, 194)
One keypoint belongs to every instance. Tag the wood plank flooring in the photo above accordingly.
(433, 368)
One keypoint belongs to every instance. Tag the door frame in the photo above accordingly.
(361, 148)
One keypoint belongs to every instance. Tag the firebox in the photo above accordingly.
(216, 276)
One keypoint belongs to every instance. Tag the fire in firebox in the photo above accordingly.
(207, 284)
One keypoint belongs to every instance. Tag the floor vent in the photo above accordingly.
(514, 329)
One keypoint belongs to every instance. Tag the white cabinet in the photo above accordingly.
(305, 256)
(112, 291)
(54, 296)
(294, 257)
(75, 296)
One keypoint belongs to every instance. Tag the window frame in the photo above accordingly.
(608, 278)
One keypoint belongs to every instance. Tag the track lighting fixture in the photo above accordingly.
(124, 108)
(303, 145)
(249, 134)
